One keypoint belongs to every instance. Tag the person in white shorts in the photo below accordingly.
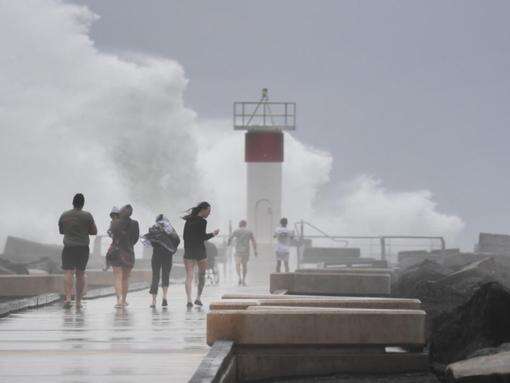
(282, 249)
(242, 237)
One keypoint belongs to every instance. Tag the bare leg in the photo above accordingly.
(117, 274)
(238, 269)
(245, 271)
(68, 285)
(80, 286)
(202, 267)
(165, 292)
(189, 278)
(125, 283)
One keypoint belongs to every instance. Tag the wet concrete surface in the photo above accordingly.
(100, 343)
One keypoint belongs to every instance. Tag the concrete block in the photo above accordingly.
(346, 302)
(332, 302)
(490, 368)
(233, 304)
(318, 326)
(260, 363)
(281, 282)
(262, 296)
(332, 283)
(30, 285)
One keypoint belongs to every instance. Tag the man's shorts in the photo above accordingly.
(242, 258)
(282, 256)
(75, 257)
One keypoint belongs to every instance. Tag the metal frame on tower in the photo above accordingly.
(264, 115)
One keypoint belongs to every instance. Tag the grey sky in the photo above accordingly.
(413, 92)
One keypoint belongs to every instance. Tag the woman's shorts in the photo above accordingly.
(281, 256)
(194, 255)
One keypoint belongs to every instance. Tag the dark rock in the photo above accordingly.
(479, 323)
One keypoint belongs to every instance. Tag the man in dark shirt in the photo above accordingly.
(76, 225)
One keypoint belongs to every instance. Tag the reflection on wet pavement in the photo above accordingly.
(102, 344)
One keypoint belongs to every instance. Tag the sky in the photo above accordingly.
(414, 93)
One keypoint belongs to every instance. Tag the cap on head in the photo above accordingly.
(115, 211)
(242, 223)
(78, 201)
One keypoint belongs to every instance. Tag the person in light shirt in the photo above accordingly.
(283, 237)
(242, 237)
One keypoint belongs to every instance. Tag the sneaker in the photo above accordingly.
(189, 305)
(165, 303)
(67, 305)
(153, 305)
(198, 302)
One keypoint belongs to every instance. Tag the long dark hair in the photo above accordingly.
(193, 212)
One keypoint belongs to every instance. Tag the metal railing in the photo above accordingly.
(384, 242)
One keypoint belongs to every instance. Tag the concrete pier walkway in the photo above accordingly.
(100, 343)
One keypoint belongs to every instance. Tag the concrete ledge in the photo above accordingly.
(262, 296)
(105, 278)
(233, 304)
(332, 283)
(490, 369)
(318, 326)
(218, 366)
(347, 302)
(30, 285)
(9, 307)
(259, 363)
(332, 302)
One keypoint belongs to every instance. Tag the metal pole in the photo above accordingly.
(383, 248)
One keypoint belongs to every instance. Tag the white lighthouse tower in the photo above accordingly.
(264, 123)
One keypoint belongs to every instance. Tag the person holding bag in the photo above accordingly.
(121, 254)
(164, 241)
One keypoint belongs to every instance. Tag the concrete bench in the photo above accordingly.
(233, 304)
(332, 283)
(338, 302)
(13, 285)
(317, 326)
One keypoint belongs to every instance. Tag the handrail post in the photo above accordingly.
(383, 248)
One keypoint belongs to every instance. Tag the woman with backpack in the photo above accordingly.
(164, 241)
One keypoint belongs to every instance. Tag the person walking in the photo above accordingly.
(76, 225)
(195, 234)
(164, 241)
(242, 237)
(121, 255)
(282, 249)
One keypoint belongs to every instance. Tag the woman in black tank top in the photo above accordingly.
(195, 234)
